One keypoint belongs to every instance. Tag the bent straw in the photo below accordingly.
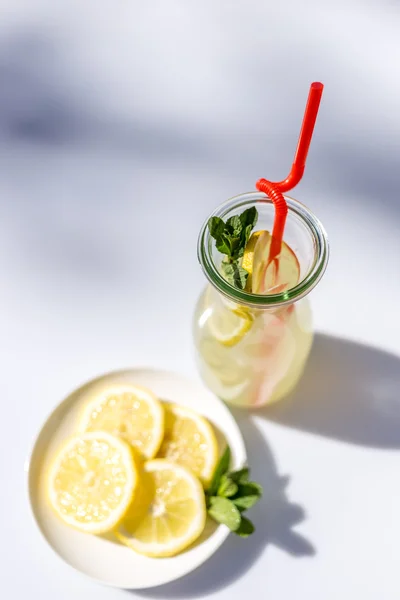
(274, 190)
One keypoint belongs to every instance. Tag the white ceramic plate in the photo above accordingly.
(102, 558)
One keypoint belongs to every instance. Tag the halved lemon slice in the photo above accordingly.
(248, 256)
(230, 326)
(130, 412)
(170, 515)
(92, 481)
(227, 322)
(190, 441)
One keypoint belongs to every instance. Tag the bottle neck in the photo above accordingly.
(303, 233)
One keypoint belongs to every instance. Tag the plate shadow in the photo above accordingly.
(274, 518)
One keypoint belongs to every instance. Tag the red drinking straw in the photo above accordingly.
(274, 190)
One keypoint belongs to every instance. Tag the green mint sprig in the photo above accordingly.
(230, 494)
(231, 238)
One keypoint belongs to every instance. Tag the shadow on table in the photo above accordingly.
(349, 392)
(274, 517)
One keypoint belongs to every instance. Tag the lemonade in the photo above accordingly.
(253, 329)
(265, 364)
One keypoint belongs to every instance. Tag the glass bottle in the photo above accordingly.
(252, 349)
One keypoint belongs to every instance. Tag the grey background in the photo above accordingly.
(122, 125)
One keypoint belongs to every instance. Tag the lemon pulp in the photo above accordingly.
(190, 441)
(130, 412)
(170, 514)
(92, 481)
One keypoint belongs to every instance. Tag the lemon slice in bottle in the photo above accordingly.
(170, 513)
(227, 322)
(130, 412)
(230, 326)
(190, 441)
(248, 257)
(92, 481)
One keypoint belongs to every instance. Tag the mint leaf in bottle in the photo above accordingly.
(216, 227)
(235, 274)
(231, 239)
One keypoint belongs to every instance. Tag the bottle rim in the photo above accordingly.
(304, 287)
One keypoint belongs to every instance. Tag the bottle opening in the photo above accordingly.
(305, 247)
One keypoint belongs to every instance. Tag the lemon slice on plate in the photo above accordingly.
(170, 515)
(92, 481)
(130, 412)
(190, 441)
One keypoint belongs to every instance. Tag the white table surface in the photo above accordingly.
(122, 125)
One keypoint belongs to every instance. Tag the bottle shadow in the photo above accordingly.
(349, 392)
(274, 518)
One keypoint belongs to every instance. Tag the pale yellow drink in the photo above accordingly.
(265, 362)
